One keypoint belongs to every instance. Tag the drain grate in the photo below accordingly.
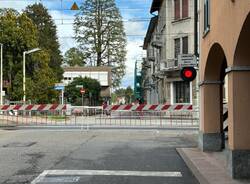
(61, 179)
(18, 144)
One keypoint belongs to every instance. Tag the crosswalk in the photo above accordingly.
(73, 176)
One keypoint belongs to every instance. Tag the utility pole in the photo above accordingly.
(24, 71)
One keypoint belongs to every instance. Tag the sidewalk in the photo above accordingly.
(208, 168)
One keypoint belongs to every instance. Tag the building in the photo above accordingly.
(169, 39)
(102, 74)
(225, 53)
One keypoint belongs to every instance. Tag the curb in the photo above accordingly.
(192, 167)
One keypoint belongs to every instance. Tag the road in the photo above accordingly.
(94, 157)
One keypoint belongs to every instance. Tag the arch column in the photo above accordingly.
(211, 138)
(239, 121)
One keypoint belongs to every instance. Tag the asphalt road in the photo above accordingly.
(94, 157)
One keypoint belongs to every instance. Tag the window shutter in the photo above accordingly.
(177, 9)
(185, 45)
(177, 47)
(184, 8)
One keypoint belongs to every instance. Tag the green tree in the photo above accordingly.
(99, 32)
(19, 34)
(92, 87)
(128, 93)
(47, 37)
(74, 57)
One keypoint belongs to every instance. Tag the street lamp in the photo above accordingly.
(1, 76)
(24, 72)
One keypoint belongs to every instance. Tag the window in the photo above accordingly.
(206, 16)
(181, 92)
(177, 7)
(185, 45)
(184, 8)
(180, 46)
(177, 47)
(181, 8)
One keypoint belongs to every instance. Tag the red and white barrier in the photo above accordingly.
(144, 107)
(42, 107)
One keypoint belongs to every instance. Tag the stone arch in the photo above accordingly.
(216, 64)
(239, 99)
(211, 116)
(242, 51)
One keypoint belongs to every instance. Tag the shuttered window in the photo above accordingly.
(177, 47)
(185, 45)
(184, 8)
(177, 12)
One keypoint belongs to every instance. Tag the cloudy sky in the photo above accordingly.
(135, 15)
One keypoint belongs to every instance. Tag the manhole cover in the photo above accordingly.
(61, 179)
(19, 144)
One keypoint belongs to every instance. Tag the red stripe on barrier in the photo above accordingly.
(190, 107)
(64, 107)
(105, 106)
(153, 107)
(140, 107)
(53, 107)
(17, 107)
(115, 107)
(29, 107)
(128, 107)
(5, 107)
(41, 107)
(165, 107)
(178, 107)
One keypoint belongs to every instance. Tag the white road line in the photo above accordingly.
(40, 177)
(111, 173)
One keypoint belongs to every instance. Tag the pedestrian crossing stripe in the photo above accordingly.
(64, 173)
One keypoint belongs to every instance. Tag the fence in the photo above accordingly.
(109, 116)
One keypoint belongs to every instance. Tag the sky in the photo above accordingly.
(135, 14)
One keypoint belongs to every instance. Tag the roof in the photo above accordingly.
(156, 4)
(151, 27)
(87, 68)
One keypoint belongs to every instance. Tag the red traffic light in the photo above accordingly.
(188, 73)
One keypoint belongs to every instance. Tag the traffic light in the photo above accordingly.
(188, 73)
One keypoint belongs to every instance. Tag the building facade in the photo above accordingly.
(169, 39)
(101, 74)
(225, 54)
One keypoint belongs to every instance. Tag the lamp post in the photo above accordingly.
(1, 76)
(24, 71)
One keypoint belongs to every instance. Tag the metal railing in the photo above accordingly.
(97, 117)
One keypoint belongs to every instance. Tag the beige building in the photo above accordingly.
(169, 39)
(102, 74)
(225, 51)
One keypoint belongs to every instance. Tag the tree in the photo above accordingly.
(74, 57)
(128, 93)
(91, 86)
(100, 34)
(19, 34)
(47, 37)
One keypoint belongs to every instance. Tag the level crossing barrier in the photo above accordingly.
(158, 116)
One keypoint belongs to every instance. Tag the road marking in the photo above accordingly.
(41, 177)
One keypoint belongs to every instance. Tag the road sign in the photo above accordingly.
(74, 6)
(82, 90)
(79, 86)
(185, 60)
(59, 86)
